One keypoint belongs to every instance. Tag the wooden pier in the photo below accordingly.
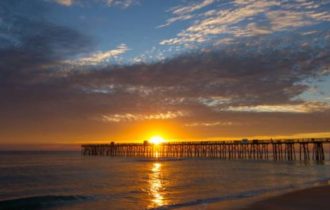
(280, 149)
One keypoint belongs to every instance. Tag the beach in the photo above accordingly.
(306, 199)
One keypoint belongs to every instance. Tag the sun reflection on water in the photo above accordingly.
(156, 187)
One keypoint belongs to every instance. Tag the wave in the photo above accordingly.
(39, 202)
(243, 195)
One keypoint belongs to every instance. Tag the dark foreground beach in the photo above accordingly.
(307, 199)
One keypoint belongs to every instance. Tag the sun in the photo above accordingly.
(156, 140)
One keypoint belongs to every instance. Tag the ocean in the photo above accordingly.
(66, 180)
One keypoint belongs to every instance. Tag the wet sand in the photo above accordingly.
(307, 199)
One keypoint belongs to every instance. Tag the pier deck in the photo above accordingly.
(279, 149)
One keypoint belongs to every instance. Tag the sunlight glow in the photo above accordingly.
(156, 140)
(157, 189)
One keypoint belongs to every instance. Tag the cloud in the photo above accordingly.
(201, 90)
(251, 86)
(182, 10)
(121, 3)
(249, 18)
(181, 13)
(208, 124)
(175, 19)
(65, 2)
(100, 57)
(233, 79)
(140, 117)
(109, 3)
(291, 108)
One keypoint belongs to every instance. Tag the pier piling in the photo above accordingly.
(281, 149)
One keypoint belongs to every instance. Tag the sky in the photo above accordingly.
(77, 71)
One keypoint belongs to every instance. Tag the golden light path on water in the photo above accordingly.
(156, 188)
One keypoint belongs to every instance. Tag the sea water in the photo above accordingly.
(66, 180)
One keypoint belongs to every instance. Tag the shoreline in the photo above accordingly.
(304, 199)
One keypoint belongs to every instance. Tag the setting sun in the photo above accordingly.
(156, 140)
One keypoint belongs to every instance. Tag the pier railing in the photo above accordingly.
(277, 149)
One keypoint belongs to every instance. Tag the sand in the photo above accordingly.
(317, 198)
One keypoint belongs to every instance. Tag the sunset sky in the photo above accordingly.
(76, 71)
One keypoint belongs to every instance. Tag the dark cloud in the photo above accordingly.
(38, 88)
(255, 72)
(246, 74)
(30, 62)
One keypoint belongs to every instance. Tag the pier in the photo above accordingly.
(279, 149)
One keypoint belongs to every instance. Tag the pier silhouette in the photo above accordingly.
(279, 149)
